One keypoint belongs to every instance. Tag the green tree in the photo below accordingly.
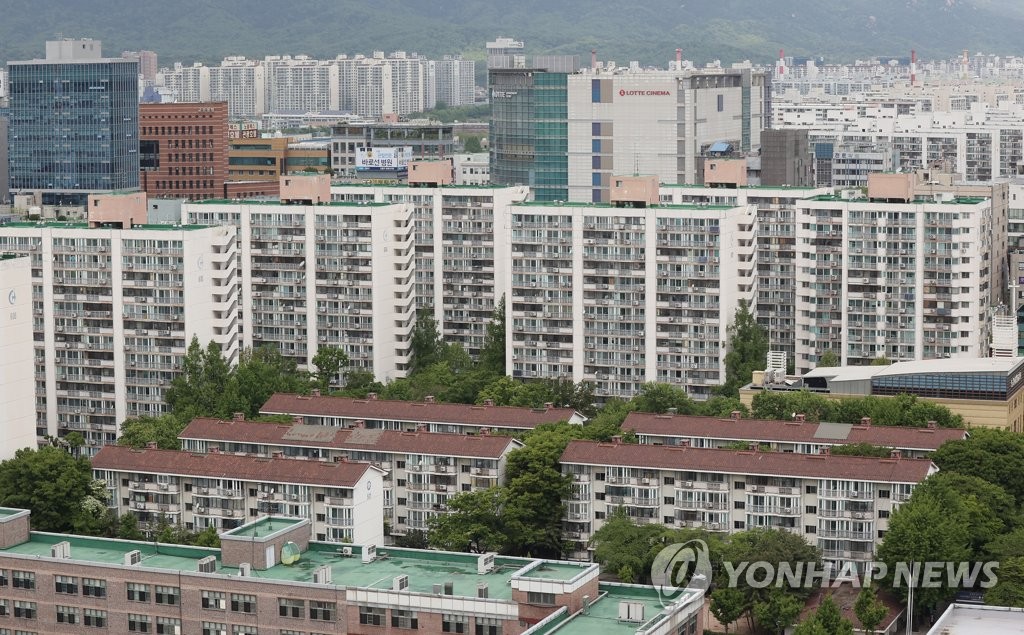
(994, 455)
(537, 490)
(261, 372)
(881, 360)
(870, 611)
(426, 345)
(1009, 590)
(828, 359)
(207, 538)
(164, 430)
(662, 397)
(474, 523)
(810, 626)
(471, 143)
(56, 487)
(782, 405)
(728, 605)
(719, 406)
(199, 390)
(413, 539)
(775, 546)
(330, 363)
(747, 351)
(777, 612)
(128, 527)
(861, 449)
(831, 618)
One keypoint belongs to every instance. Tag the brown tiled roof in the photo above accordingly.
(352, 439)
(247, 468)
(748, 462)
(767, 430)
(415, 412)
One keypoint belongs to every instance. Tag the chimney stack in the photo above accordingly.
(865, 421)
(735, 415)
(238, 416)
(297, 420)
(782, 63)
(932, 425)
(278, 454)
(429, 399)
(800, 417)
(548, 405)
(895, 454)
(372, 396)
(827, 451)
(359, 423)
(913, 67)
(488, 402)
(151, 445)
(315, 392)
(617, 440)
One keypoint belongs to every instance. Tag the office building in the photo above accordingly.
(114, 307)
(268, 577)
(428, 140)
(841, 504)
(183, 149)
(447, 418)
(147, 61)
(461, 255)
(80, 132)
(852, 163)
(985, 391)
(342, 500)
(974, 619)
(422, 470)
(472, 168)
(269, 158)
(5, 172)
(797, 436)
(505, 52)
(17, 356)
(656, 122)
(3, 83)
(317, 274)
(243, 84)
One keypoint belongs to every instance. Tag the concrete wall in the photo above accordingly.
(17, 357)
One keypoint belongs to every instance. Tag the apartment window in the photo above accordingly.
(738, 505)
(94, 587)
(167, 594)
(214, 628)
(65, 584)
(5, 608)
(543, 599)
(287, 607)
(721, 103)
(26, 610)
(810, 529)
(287, 632)
(168, 626)
(669, 480)
(454, 623)
(213, 600)
(3, 577)
(811, 509)
(23, 579)
(138, 623)
(95, 618)
(739, 524)
(739, 485)
(323, 611)
(883, 493)
(243, 603)
(811, 489)
(238, 629)
(67, 615)
(488, 626)
(883, 513)
(371, 615)
(404, 619)
(138, 592)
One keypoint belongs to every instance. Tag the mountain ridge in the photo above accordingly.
(648, 31)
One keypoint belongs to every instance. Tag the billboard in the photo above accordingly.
(245, 130)
(383, 159)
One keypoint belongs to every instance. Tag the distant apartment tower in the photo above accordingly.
(455, 81)
(183, 149)
(301, 84)
(3, 83)
(17, 356)
(147, 63)
(5, 172)
(114, 306)
(397, 84)
(74, 123)
(243, 84)
(186, 83)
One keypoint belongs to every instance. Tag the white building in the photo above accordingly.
(343, 500)
(472, 168)
(113, 313)
(186, 83)
(455, 81)
(841, 504)
(660, 122)
(243, 84)
(338, 274)
(378, 85)
(301, 84)
(17, 356)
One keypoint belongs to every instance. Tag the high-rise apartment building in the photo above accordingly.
(17, 356)
(243, 84)
(74, 123)
(114, 308)
(186, 83)
(183, 149)
(455, 81)
(147, 60)
(301, 84)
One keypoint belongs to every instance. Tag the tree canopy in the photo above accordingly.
(57, 488)
(747, 351)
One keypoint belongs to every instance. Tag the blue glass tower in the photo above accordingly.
(74, 123)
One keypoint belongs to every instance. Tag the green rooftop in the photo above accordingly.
(246, 201)
(111, 551)
(698, 186)
(603, 616)
(958, 200)
(264, 527)
(610, 206)
(6, 512)
(54, 224)
(11, 257)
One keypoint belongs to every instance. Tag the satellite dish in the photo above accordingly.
(290, 553)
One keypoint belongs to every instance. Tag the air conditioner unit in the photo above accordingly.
(859, 516)
(854, 494)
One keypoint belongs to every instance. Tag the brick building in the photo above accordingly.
(269, 579)
(183, 149)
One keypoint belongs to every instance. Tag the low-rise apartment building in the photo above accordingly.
(422, 470)
(451, 418)
(841, 504)
(797, 436)
(268, 578)
(343, 500)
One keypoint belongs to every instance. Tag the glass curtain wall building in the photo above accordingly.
(74, 122)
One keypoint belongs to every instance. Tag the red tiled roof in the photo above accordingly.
(748, 462)
(416, 412)
(248, 468)
(353, 439)
(767, 430)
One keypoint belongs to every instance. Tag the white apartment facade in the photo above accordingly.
(421, 470)
(301, 84)
(243, 84)
(186, 83)
(642, 121)
(472, 168)
(113, 311)
(338, 274)
(621, 296)
(462, 252)
(840, 504)
(17, 355)
(343, 500)
(455, 81)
